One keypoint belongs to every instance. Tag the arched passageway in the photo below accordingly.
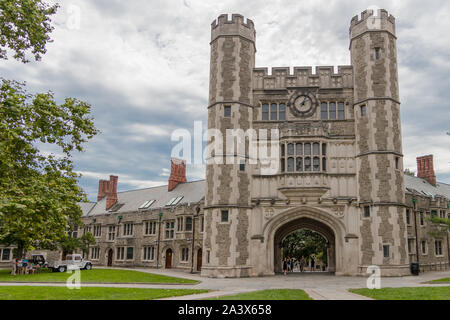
(304, 223)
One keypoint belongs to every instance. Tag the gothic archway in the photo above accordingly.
(310, 224)
(317, 220)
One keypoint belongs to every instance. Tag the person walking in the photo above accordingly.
(302, 263)
(312, 263)
(292, 264)
(285, 266)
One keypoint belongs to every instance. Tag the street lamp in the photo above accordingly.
(197, 210)
(159, 238)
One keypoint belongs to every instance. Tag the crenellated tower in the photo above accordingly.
(228, 173)
(379, 158)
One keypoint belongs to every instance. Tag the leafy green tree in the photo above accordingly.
(409, 172)
(305, 242)
(85, 241)
(25, 25)
(38, 191)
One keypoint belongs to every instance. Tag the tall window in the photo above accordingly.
(366, 211)
(265, 112)
(363, 111)
(180, 224)
(97, 230)
(386, 251)
(170, 226)
(128, 229)
(130, 253)
(422, 221)
(202, 224)
(273, 111)
(149, 253)
(95, 253)
(227, 111)
(150, 227)
(120, 253)
(329, 111)
(184, 254)
(188, 223)
(424, 247)
(438, 247)
(377, 53)
(224, 216)
(111, 233)
(408, 217)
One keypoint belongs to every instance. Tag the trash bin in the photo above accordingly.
(415, 268)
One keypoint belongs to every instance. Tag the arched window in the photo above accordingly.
(290, 164)
(265, 112)
(307, 149)
(316, 164)
(307, 164)
(316, 148)
(282, 111)
(299, 164)
(324, 164)
(290, 149)
(332, 110)
(299, 149)
(324, 149)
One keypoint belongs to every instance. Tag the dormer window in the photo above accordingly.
(147, 204)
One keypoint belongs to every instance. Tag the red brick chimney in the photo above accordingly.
(425, 169)
(108, 189)
(177, 173)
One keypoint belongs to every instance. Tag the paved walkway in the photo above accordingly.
(318, 285)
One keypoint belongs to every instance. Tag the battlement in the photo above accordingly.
(371, 22)
(281, 77)
(237, 26)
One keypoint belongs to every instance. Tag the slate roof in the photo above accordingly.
(130, 201)
(423, 187)
(193, 192)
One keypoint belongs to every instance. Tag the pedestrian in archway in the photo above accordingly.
(302, 263)
(285, 265)
(312, 263)
(292, 264)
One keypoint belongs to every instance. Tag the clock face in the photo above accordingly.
(302, 104)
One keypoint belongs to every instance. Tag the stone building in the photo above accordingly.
(339, 171)
(340, 151)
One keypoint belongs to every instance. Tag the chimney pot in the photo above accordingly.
(425, 168)
(177, 173)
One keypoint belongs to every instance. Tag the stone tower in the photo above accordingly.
(379, 159)
(228, 173)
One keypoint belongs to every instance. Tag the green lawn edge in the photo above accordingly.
(443, 280)
(97, 276)
(268, 294)
(90, 293)
(406, 293)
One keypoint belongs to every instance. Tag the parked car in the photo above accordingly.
(72, 262)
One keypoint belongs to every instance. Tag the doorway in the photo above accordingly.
(168, 258)
(110, 257)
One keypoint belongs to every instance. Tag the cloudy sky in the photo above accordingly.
(143, 65)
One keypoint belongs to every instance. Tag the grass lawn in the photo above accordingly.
(417, 293)
(95, 275)
(272, 294)
(443, 280)
(89, 293)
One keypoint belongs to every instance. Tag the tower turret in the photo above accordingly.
(379, 156)
(228, 176)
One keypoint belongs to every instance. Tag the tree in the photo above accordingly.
(305, 242)
(39, 192)
(25, 25)
(409, 172)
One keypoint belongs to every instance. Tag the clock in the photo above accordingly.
(302, 104)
